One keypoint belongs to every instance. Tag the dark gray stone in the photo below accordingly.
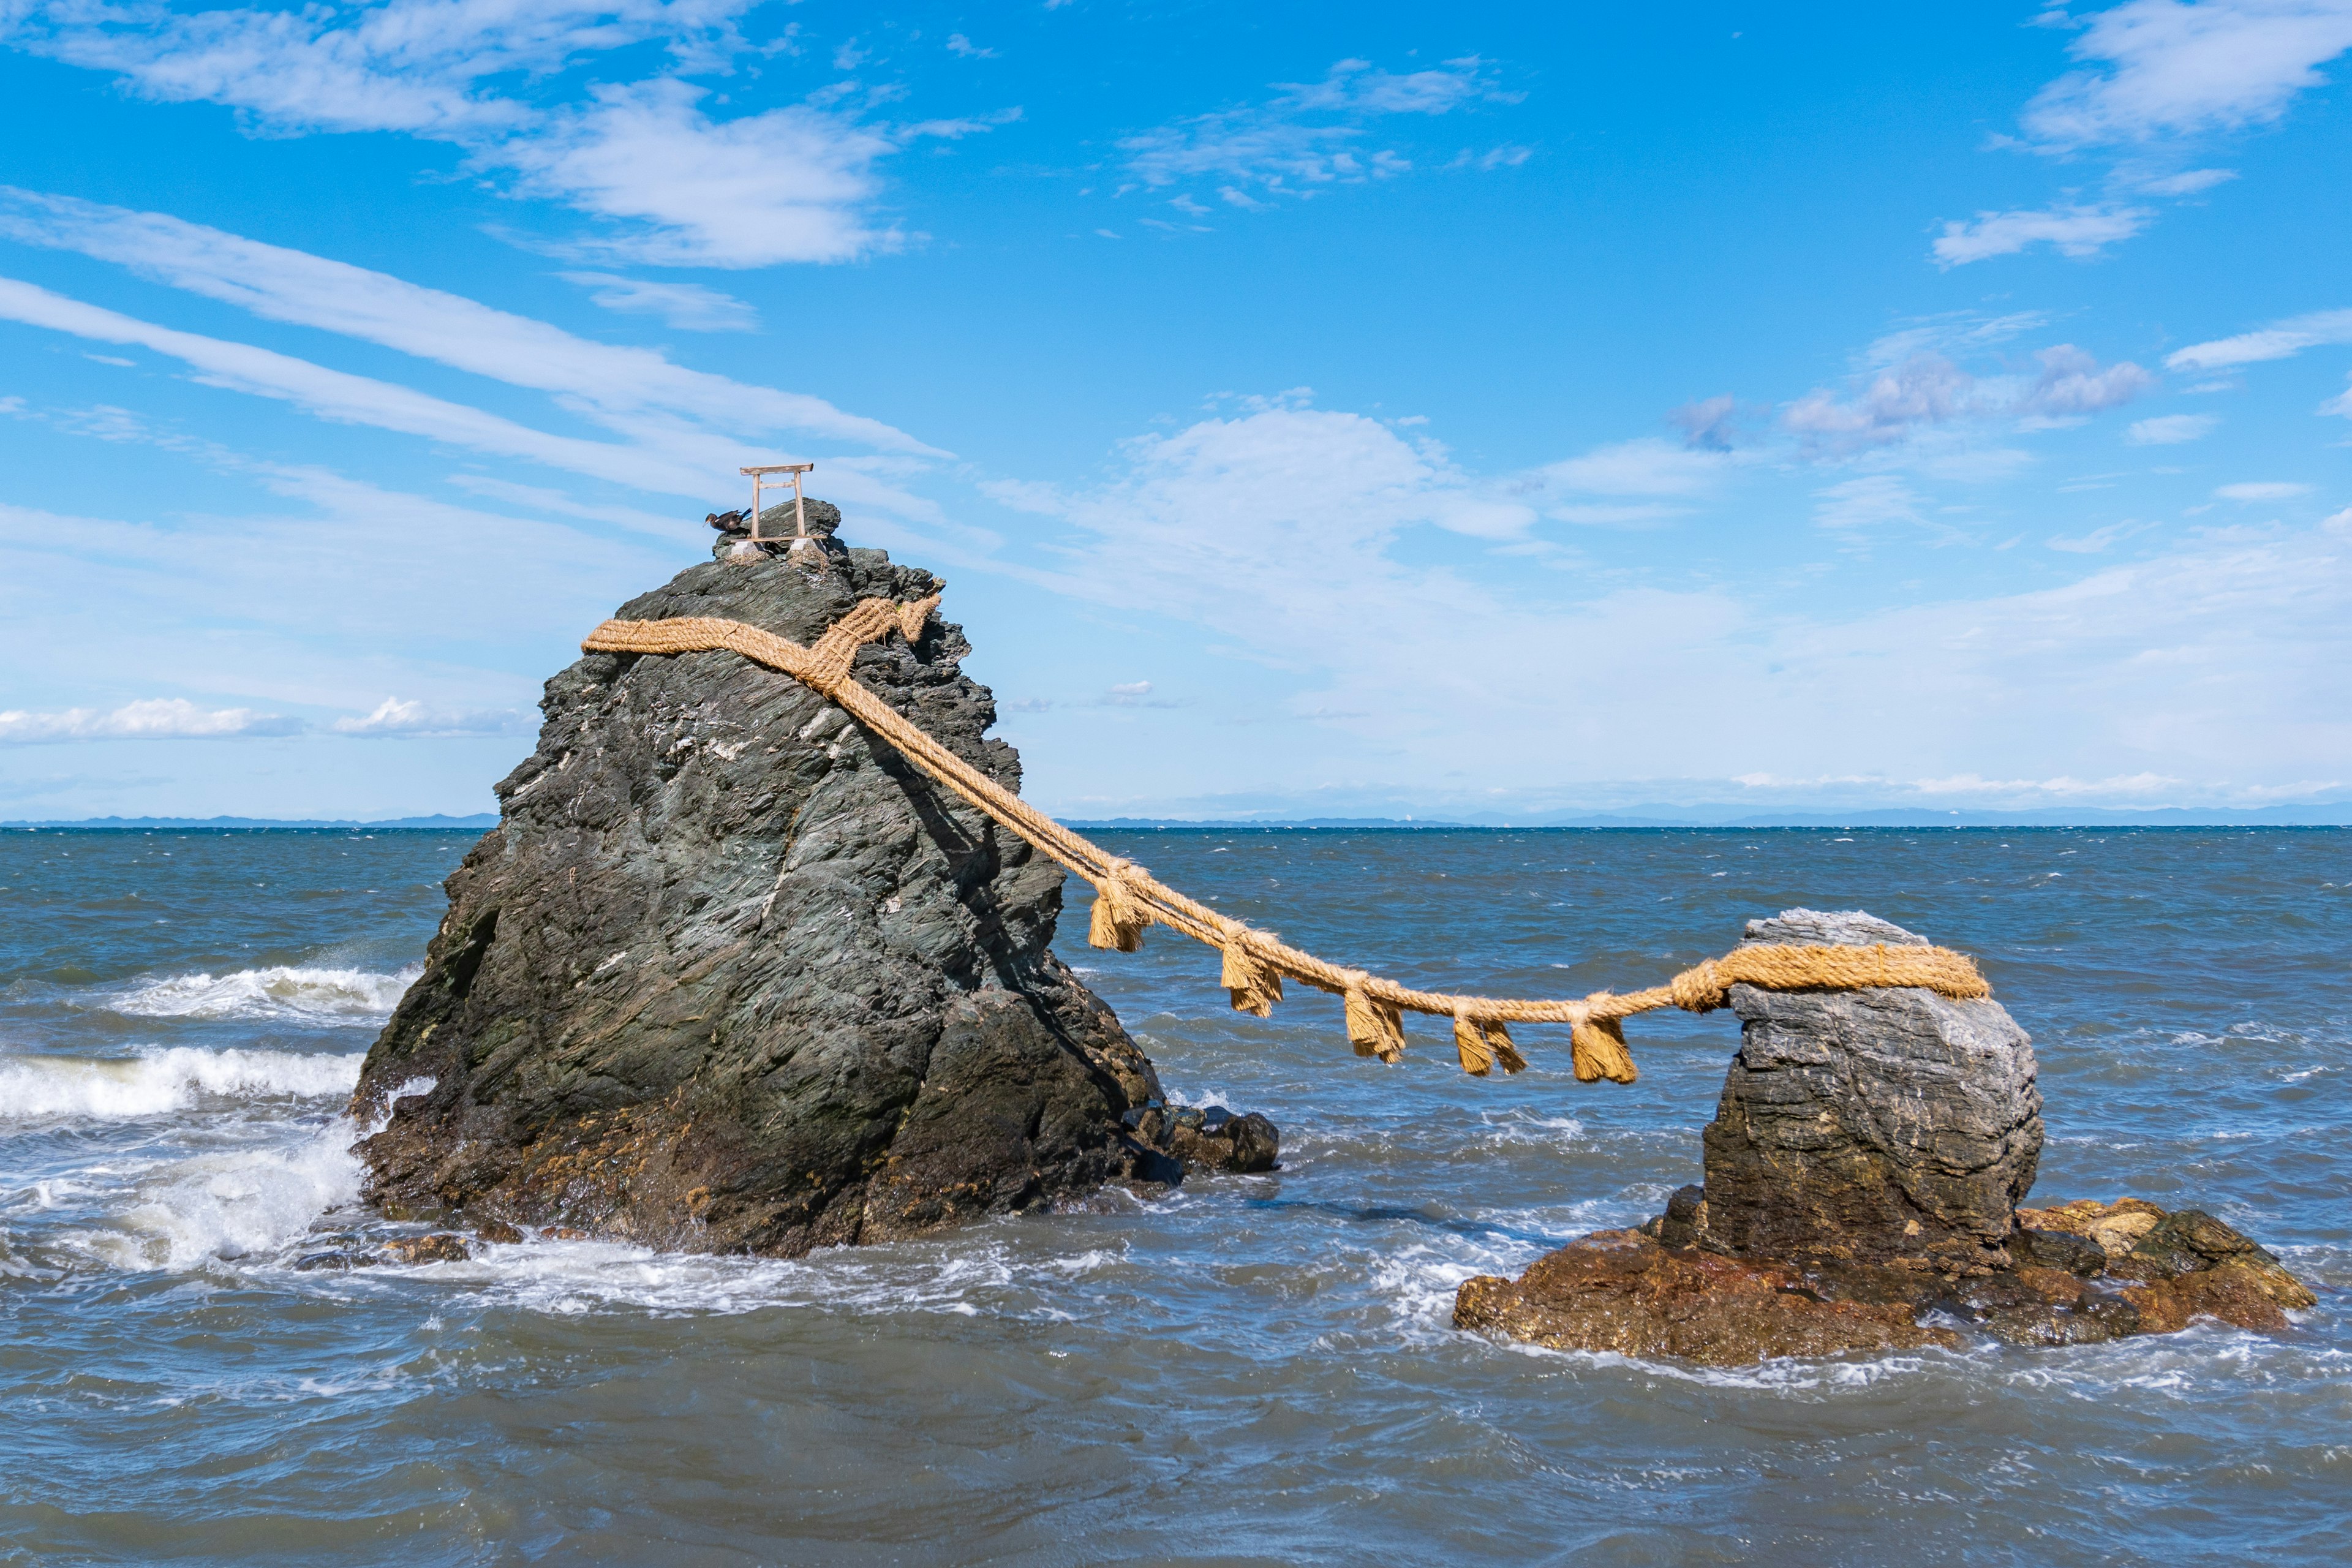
(731, 975)
(1888, 1125)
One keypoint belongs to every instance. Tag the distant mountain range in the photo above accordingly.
(2336, 814)
(476, 823)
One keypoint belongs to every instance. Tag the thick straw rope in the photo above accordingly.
(1128, 897)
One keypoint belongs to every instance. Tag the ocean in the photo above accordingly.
(1257, 1369)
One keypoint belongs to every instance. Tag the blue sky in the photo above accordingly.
(1344, 410)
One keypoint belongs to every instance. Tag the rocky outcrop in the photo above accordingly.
(1862, 1175)
(1886, 1125)
(730, 976)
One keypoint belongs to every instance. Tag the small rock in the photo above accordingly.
(563, 1233)
(441, 1248)
(2117, 1227)
(2076, 1255)
(1241, 1145)
(1684, 1220)
(498, 1230)
(334, 1260)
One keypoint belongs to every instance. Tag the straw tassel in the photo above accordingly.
(1256, 984)
(1599, 1045)
(1483, 1044)
(1374, 1028)
(1118, 917)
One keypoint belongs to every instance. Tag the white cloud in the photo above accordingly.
(1708, 424)
(2188, 183)
(789, 185)
(2261, 489)
(352, 399)
(960, 45)
(151, 718)
(1645, 466)
(1282, 536)
(2281, 340)
(689, 307)
(396, 717)
(2073, 384)
(2165, 68)
(1926, 389)
(620, 386)
(2077, 231)
(1309, 136)
(1895, 404)
(2096, 540)
(1866, 502)
(2171, 429)
(792, 183)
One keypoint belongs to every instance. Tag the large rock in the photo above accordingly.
(1862, 1176)
(731, 975)
(1890, 1125)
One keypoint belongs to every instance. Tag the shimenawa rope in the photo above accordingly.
(1128, 899)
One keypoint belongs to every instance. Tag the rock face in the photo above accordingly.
(1862, 1175)
(1888, 1125)
(731, 975)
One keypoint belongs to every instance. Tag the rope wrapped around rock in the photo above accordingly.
(1128, 899)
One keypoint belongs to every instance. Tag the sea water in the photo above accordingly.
(1256, 1369)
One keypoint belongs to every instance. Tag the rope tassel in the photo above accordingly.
(1470, 1044)
(1481, 1044)
(1256, 984)
(1118, 919)
(1374, 1028)
(1598, 1048)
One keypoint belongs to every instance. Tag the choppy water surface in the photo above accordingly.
(1259, 1369)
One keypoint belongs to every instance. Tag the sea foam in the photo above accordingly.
(119, 1088)
(281, 992)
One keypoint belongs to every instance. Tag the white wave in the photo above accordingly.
(235, 1206)
(114, 1089)
(281, 992)
(567, 1278)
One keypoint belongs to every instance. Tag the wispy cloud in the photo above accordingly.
(2157, 79)
(689, 307)
(1866, 502)
(2163, 68)
(2077, 231)
(2171, 429)
(1308, 137)
(2282, 339)
(2262, 489)
(150, 718)
(1892, 405)
(671, 183)
(618, 384)
(408, 720)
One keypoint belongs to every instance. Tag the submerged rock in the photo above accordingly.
(1620, 1290)
(1862, 1176)
(731, 975)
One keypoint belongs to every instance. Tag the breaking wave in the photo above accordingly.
(119, 1088)
(308, 995)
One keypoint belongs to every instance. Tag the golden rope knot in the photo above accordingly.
(1701, 988)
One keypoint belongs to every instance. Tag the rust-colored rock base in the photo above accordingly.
(2087, 1272)
(1619, 1290)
